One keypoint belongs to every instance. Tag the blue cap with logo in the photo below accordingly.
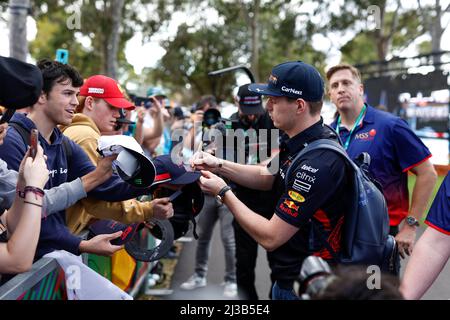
(293, 79)
(249, 102)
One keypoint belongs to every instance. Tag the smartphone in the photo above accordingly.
(62, 55)
(34, 138)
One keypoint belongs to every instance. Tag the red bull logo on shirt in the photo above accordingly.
(290, 204)
(288, 210)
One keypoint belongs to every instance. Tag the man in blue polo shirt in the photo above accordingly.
(394, 150)
(432, 250)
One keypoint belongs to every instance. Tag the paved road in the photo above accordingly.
(185, 267)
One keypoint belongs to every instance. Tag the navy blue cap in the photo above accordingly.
(249, 102)
(169, 172)
(111, 226)
(294, 79)
(21, 83)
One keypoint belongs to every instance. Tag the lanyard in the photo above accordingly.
(347, 142)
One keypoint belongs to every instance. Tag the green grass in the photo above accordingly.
(412, 181)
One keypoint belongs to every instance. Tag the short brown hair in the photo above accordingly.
(82, 102)
(80, 106)
(314, 106)
(344, 66)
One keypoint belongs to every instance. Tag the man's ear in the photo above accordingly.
(42, 98)
(301, 105)
(361, 89)
(88, 103)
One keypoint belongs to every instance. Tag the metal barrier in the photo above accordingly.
(17, 287)
(23, 282)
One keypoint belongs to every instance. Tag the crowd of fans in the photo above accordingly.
(49, 199)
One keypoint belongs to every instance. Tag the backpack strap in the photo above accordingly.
(25, 134)
(320, 144)
(315, 145)
(67, 149)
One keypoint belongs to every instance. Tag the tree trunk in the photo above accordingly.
(436, 33)
(18, 45)
(112, 46)
(255, 39)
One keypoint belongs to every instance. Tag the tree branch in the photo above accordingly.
(423, 15)
(394, 22)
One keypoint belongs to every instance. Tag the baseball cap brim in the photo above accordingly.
(110, 226)
(263, 89)
(187, 178)
(145, 176)
(120, 103)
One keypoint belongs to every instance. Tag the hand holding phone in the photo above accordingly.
(34, 138)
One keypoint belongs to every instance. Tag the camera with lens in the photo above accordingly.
(213, 127)
(141, 101)
(346, 282)
(315, 276)
(211, 117)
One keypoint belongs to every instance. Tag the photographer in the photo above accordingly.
(194, 137)
(315, 188)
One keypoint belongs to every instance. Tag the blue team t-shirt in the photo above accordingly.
(394, 149)
(439, 215)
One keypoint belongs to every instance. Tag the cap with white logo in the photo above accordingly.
(294, 79)
(105, 88)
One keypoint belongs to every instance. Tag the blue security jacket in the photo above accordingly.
(54, 233)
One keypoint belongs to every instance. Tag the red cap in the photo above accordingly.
(107, 89)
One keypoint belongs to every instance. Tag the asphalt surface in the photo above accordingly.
(213, 291)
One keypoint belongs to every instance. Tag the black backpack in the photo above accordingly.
(365, 239)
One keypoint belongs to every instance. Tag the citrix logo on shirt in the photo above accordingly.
(366, 136)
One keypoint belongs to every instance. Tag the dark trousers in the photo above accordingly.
(246, 255)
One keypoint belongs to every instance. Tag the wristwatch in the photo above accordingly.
(221, 193)
(411, 221)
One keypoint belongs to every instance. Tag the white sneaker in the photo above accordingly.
(194, 282)
(230, 290)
